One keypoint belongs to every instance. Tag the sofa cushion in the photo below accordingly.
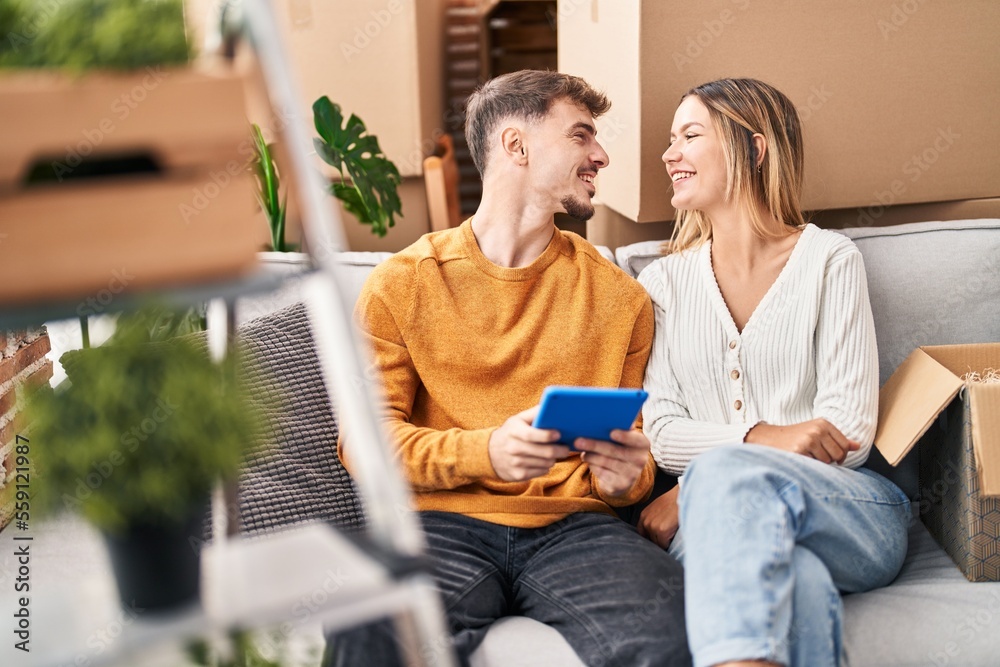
(930, 615)
(931, 283)
(635, 257)
(521, 641)
(300, 477)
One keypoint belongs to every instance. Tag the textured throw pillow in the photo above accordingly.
(299, 477)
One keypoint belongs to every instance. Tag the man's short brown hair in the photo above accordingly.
(528, 95)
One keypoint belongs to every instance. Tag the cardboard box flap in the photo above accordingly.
(961, 359)
(910, 401)
(984, 401)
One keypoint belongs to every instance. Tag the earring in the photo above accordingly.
(758, 168)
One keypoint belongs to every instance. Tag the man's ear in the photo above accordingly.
(512, 140)
(760, 149)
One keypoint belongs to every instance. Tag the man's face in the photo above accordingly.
(564, 157)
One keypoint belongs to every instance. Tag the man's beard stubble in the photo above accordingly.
(576, 209)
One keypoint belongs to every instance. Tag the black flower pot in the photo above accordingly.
(157, 565)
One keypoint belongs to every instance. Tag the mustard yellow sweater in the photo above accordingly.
(462, 344)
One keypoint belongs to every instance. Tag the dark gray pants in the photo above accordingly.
(616, 597)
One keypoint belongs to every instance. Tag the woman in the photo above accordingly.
(763, 385)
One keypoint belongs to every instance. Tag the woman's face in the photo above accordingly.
(695, 161)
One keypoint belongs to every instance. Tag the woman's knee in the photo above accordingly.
(710, 463)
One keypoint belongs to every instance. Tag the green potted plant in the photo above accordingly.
(261, 648)
(135, 441)
(368, 188)
(279, 257)
(81, 35)
(272, 202)
(369, 181)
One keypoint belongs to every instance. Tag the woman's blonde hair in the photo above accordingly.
(740, 108)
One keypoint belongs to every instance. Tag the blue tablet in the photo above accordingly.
(588, 412)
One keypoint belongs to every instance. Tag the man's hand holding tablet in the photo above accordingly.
(597, 422)
(588, 412)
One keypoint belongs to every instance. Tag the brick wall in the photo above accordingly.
(22, 365)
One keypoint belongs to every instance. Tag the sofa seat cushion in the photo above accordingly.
(930, 615)
(521, 641)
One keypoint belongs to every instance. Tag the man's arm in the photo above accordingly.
(623, 471)
(433, 459)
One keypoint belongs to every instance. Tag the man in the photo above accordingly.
(468, 327)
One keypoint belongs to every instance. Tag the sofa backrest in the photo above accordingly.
(931, 283)
(354, 267)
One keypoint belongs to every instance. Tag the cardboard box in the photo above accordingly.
(177, 208)
(956, 427)
(896, 98)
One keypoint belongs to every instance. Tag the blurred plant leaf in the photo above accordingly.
(242, 651)
(80, 35)
(145, 425)
(268, 186)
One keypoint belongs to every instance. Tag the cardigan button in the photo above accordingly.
(732, 345)
(738, 404)
(735, 375)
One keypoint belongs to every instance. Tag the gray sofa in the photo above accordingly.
(930, 283)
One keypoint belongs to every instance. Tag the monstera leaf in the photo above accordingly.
(369, 189)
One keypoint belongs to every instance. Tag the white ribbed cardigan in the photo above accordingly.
(807, 351)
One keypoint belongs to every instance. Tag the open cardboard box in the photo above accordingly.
(957, 426)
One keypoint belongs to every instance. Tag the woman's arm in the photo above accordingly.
(845, 408)
(846, 354)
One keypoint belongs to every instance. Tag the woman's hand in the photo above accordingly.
(661, 518)
(816, 438)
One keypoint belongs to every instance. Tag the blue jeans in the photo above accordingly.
(770, 538)
(616, 597)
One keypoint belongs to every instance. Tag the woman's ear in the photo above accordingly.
(759, 149)
(513, 145)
